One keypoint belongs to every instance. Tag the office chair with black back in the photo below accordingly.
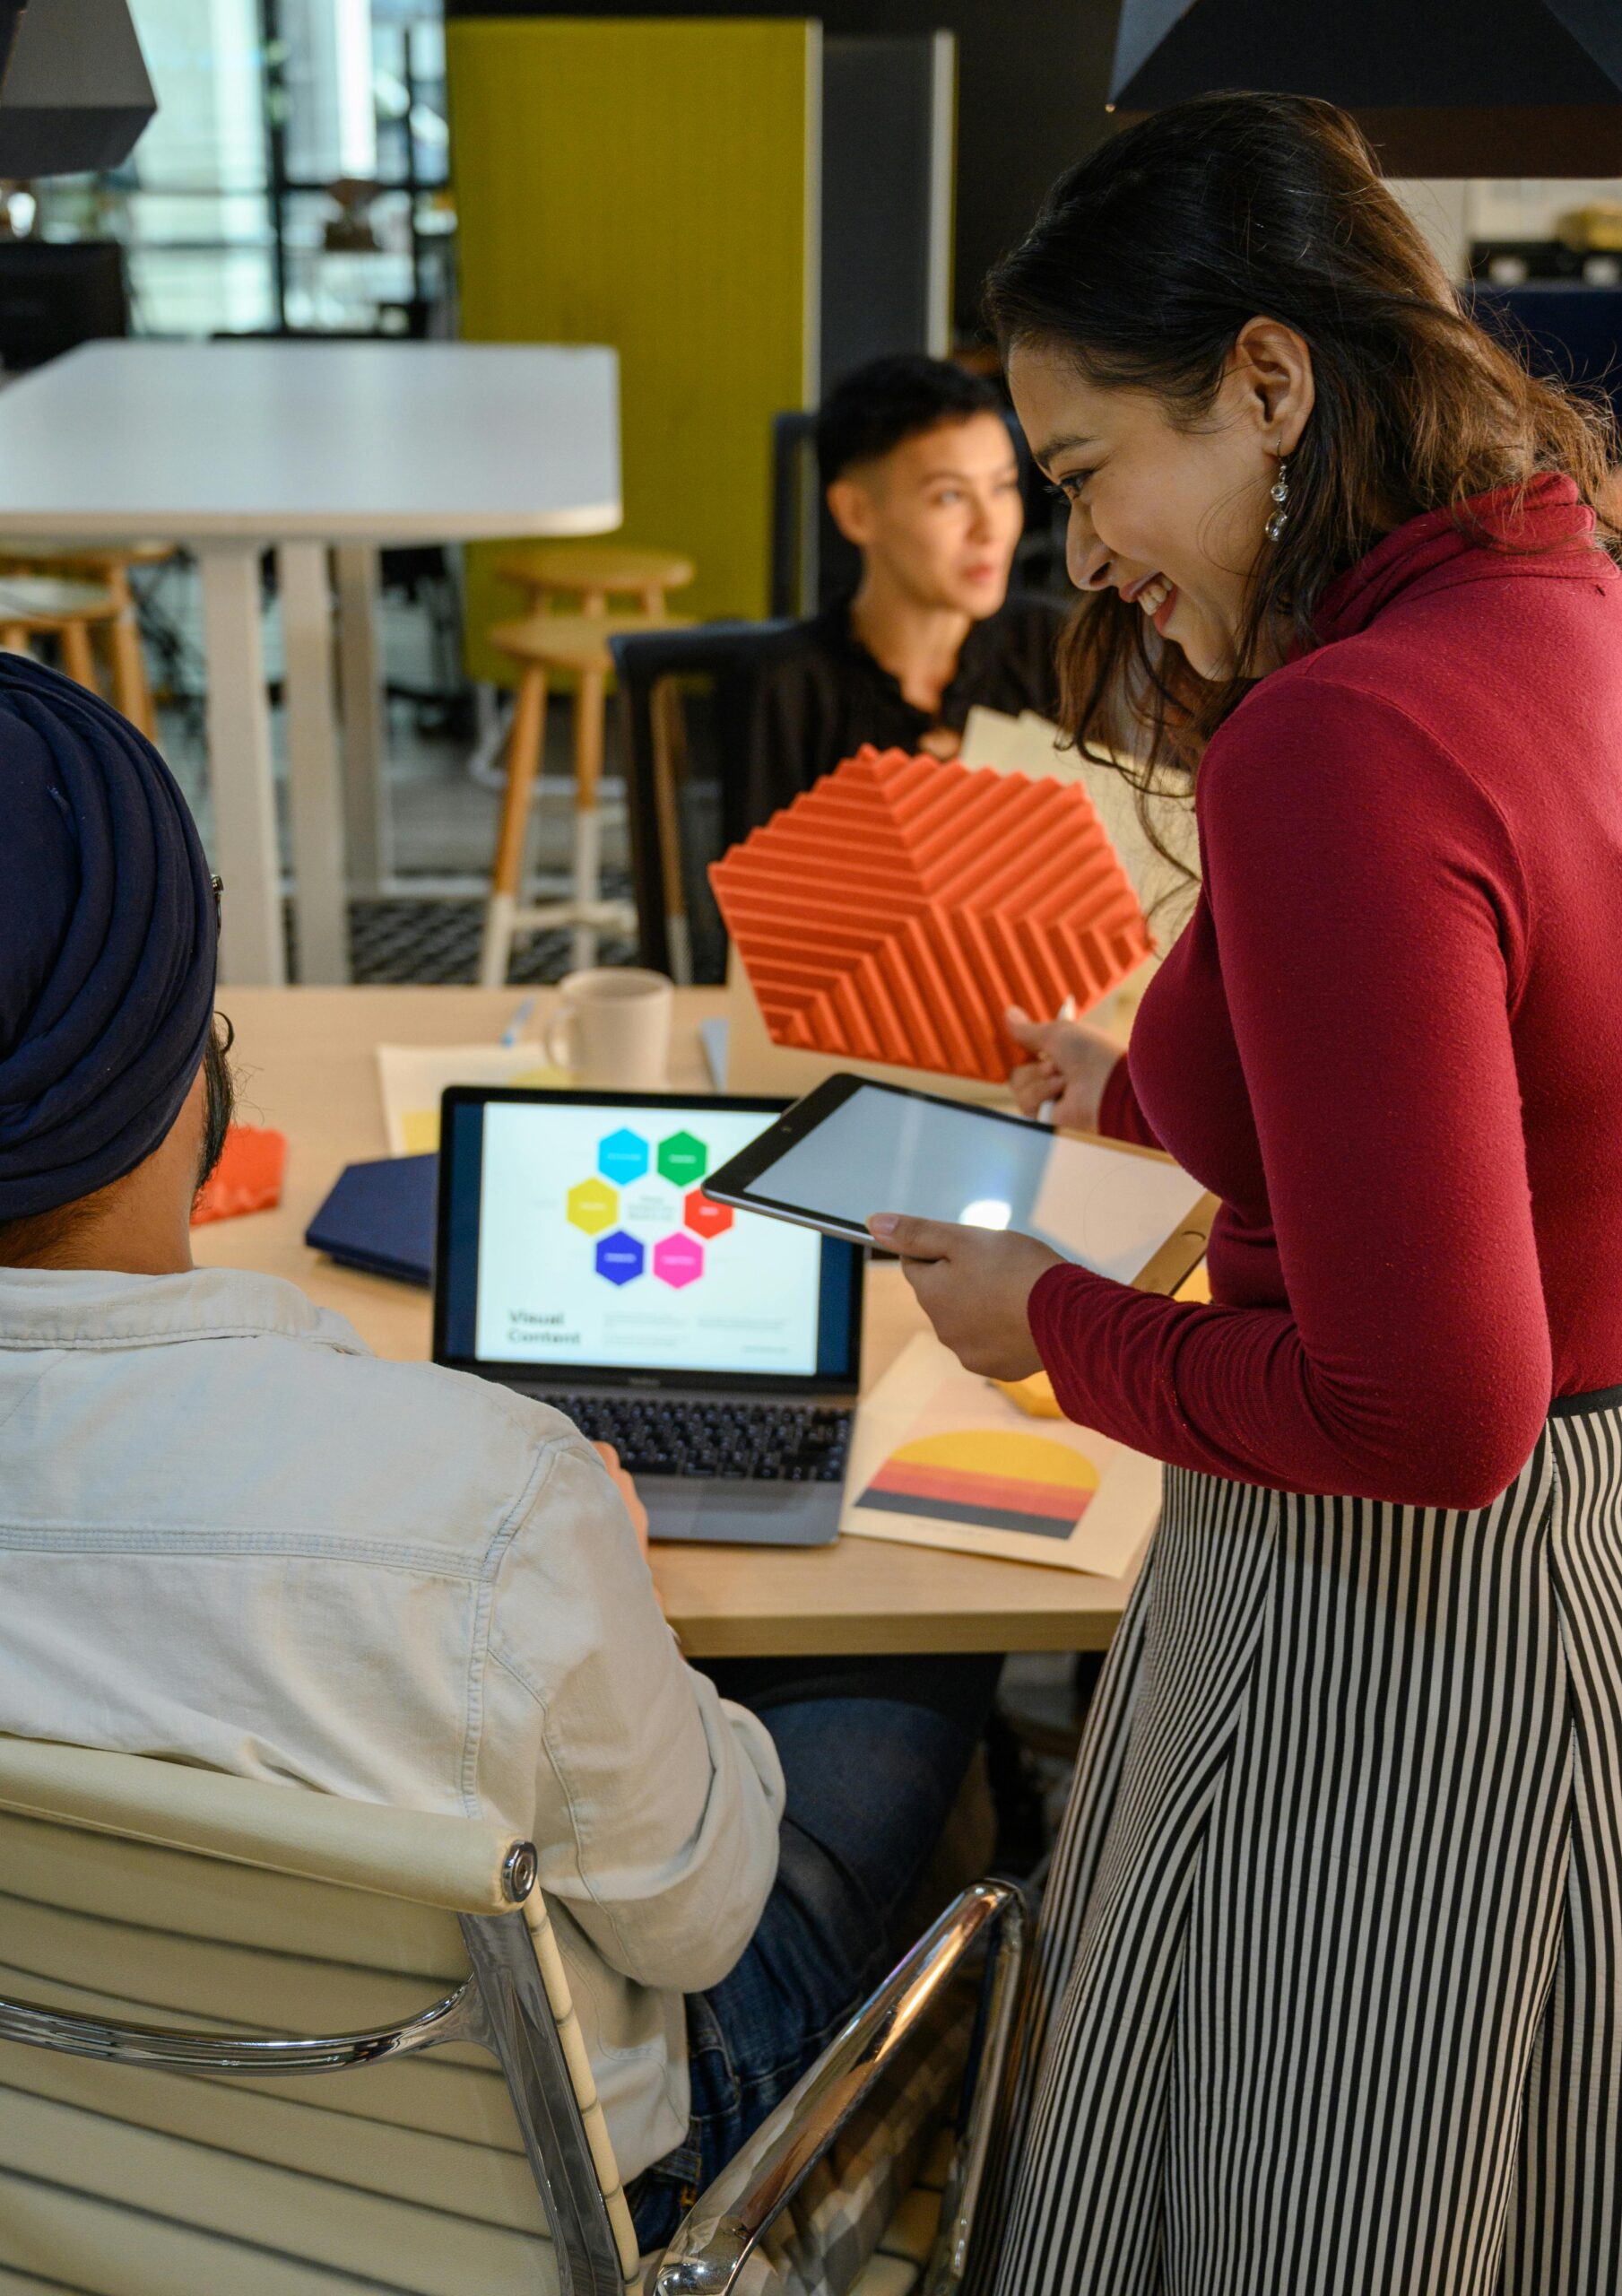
(683, 699)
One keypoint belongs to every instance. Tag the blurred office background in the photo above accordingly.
(366, 169)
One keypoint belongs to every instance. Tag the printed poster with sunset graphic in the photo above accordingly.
(943, 1458)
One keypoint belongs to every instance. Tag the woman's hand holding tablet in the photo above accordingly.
(975, 1286)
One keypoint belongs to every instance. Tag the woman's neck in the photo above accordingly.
(917, 643)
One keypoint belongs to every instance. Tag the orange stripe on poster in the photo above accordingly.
(966, 1487)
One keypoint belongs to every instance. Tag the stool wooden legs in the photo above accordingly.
(545, 646)
(588, 814)
(523, 764)
(78, 657)
(131, 691)
(586, 912)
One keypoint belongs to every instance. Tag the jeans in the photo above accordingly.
(873, 1752)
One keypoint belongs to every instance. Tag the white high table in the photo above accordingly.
(232, 448)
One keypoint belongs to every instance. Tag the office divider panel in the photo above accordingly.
(889, 121)
(1033, 74)
(652, 184)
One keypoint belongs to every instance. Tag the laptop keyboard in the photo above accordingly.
(748, 1442)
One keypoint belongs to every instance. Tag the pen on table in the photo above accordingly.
(515, 1027)
(1066, 1012)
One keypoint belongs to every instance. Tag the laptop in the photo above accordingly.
(578, 1260)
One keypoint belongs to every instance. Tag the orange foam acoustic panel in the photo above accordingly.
(892, 911)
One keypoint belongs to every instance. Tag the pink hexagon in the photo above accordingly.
(678, 1260)
(705, 1218)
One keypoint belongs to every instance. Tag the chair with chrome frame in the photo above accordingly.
(188, 1943)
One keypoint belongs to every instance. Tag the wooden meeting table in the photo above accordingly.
(306, 1064)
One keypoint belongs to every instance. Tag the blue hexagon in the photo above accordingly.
(620, 1258)
(623, 1156)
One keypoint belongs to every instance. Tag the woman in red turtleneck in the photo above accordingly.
(1330, 1992)
(1391, 1039)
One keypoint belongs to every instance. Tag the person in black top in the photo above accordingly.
(920, 474)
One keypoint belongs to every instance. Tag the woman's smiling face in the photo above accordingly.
(1171, 514)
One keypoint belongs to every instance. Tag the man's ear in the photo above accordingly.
(850, 505)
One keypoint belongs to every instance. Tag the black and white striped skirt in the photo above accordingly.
(1326, 1992)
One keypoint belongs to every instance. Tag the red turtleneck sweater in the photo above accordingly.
(1391, 1042)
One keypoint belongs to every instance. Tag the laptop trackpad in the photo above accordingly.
(762, 1514)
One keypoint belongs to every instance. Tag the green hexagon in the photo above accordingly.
(594, 1205)
(682, 1160)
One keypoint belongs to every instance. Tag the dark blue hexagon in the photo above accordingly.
(620, 1258)
(622, 1157)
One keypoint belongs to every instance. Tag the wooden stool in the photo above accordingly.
(111, 568)
(578, 644)
(36, 605)
(593, 573)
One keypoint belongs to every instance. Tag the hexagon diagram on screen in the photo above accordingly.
(678, 1261)
(705, 1218)
(682, 1159)
(593, 1205)
(620, 1258)
(623, 1157)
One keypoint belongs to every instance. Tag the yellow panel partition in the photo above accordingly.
(652, 184)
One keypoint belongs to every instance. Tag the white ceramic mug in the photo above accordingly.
(611, 1028)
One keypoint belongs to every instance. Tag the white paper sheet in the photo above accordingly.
(411, 1078)
(943, 1458)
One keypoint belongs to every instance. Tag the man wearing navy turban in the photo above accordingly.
(230, 1536)
(108, 941)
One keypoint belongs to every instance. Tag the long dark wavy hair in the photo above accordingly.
(1144, 264)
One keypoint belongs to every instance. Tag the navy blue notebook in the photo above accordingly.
(380, 1216)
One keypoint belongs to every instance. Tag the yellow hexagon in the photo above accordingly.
(594, 1205)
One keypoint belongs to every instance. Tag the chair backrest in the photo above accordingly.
(810, 560)
(166, 1936)
(707, 673)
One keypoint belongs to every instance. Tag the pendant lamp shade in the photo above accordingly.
(1441, 87)
(76, 93)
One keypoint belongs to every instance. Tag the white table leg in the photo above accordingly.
(251, 947)
(360, 701)
(315, 793)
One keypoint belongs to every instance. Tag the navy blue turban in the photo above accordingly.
(107, 943)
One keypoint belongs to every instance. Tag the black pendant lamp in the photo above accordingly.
(1440, 87)
(75, 93)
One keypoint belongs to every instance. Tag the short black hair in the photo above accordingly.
(875, 407)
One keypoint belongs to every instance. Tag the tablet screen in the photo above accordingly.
(883, 1151)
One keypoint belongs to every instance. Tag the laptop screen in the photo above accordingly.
(574, 1238)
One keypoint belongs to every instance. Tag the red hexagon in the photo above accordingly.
(705, 1218)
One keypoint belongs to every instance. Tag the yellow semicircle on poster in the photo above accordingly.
(1027, 1458)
